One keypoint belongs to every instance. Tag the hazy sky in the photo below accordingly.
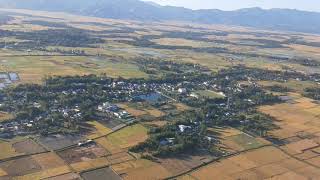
(310, 5)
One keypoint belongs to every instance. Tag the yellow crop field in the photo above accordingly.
(141, 169)
(86, 165)
(45, 174)
(4, 116)
(128, 136)
(262, 163)
(7, 150)
(101, 130)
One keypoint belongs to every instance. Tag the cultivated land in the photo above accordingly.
(263, 138)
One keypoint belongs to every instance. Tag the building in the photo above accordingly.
(182, 90)
(183, 128)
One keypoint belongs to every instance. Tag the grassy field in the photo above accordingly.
(296, 86)
(128, 136)
(92, 164)
(246, 141)
(7, 150)
(209, 94)
(141, 168)
(35, 68)
(121, 140)
(101, 130)
(45, 173)
(4, 116)
(182, 42)
(139, 110)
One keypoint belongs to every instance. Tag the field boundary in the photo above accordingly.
(215, 160)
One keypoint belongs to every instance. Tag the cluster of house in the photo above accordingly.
(115, 111)
(186, 129)
(14, 128)
(72, 113)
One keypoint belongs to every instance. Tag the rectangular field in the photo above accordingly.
(294, 118)
(262, 163)
(124, 138)
(101, 174)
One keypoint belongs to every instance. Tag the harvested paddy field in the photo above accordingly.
(21, 166)
(69, 176)
(299, 128)
(59, 141)
(35, 68)
(34, 167)
(141, 169)
(141, 110)
(83, 153)
(17, 147)
(117, 158)
(90, 164)
(233, 140)
(124, 138)
(4, 116)
(7, 150)
(301, 116)
(262, 163)
(183, 163)
(101, 174)
(182, 42)
(99, 130)
(28, 147)
(129, 136)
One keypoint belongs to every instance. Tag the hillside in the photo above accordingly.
(276, 19)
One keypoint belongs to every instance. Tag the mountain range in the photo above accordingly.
(274, 19)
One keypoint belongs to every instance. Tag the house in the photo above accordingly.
(194, 95)
(36, 105)
(85, 143)
(183, 128)
(167, 141)
(122, 114)
(182, 90)
(222, 94)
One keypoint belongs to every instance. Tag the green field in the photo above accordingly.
(209, 94)
(35, 68)
(246, 141)
(128, 136)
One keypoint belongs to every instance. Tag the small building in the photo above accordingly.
(182, 90)
(194, 95)
(167, 142)
(183, 128)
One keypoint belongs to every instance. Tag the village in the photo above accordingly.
(63, 104)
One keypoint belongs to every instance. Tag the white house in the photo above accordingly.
(182, 90)
(182, 128)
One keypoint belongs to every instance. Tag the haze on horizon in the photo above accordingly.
(306, 5)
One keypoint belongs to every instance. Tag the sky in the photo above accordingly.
(309, 5)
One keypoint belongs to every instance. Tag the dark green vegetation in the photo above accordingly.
(38, 40)
(313, 93)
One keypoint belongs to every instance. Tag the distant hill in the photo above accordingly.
(276, 19)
